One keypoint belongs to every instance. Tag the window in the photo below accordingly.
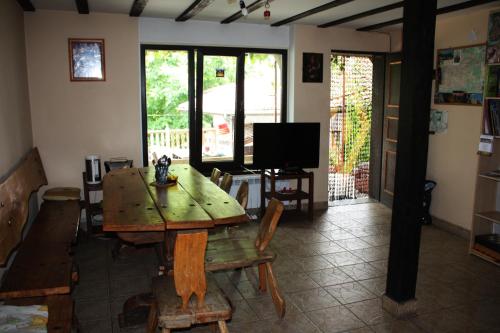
(199, 104)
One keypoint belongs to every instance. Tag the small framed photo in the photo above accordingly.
(312, 67)
(86, 59)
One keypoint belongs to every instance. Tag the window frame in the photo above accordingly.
(195, 87)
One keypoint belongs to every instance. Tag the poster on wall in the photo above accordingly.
(460, 75)
(312, 67)
(86, 57)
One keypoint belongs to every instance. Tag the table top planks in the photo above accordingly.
(127, 204)
(131, 203)
(177, 207)
(221, 207)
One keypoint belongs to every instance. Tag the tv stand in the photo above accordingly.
(295, 195)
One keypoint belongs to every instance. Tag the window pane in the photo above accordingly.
(262, 94)
(219, 108)
(167, 103)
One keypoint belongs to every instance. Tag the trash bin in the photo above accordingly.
(426, 204)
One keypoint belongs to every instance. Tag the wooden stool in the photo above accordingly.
(173, 306)
(62, 194)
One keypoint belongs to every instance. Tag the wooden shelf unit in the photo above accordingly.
(298, 195)
(486, 213)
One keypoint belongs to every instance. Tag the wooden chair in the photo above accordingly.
(242, 195)
(214, 177)
(225, 254)
(227, 182)
(173, 306)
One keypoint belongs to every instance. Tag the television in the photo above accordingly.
(286, 146)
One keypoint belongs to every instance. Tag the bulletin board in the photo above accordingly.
(460, 75)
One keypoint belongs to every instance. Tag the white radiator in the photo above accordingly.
(254, 188)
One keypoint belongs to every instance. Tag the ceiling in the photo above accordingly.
(280, 10)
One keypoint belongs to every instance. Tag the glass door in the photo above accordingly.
(217, 108)
(168, 103)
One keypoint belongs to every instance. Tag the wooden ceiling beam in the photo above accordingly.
(362, 15)
(381, 25)
(196, 7)
(313, 11)
(26, 5)
(251, 8)
(82, 6)
(439, 11)
(137, 7)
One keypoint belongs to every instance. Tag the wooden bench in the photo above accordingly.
(42, 271)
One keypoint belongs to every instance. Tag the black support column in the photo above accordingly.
(413, 138)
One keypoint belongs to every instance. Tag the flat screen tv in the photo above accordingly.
(286, 146)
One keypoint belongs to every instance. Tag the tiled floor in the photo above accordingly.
(332, 273)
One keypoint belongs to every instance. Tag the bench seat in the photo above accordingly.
(43, 265)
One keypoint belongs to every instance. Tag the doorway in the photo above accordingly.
(354, 102)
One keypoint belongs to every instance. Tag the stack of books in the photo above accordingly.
(492, 117)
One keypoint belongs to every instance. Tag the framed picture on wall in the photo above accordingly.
(86, 59)
(312, 67)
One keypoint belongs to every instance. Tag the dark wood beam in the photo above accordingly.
(251, 8)
(313, 11)
(137, 7)
(26, 5)
(196, 7)
(381, 25)
(362, 15)
(443, 10)
(83, 6)
(413, 139)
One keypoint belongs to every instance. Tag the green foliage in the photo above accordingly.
(166, 88)
(358, 108)
(167, 83)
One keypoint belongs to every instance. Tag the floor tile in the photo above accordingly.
(313, 299)
(335, 319)
(326, 247)
(371, 312)
(361, 271)
(296, 282)
(353, 244)
(343, 258)
(350, 292)
(330, 276)
(96, 326)
(313, 263)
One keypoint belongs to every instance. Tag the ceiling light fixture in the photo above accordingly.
(243, 8)
(267, 12)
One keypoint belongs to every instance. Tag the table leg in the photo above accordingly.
(169, 249)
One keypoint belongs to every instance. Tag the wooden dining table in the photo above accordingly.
(133, 205)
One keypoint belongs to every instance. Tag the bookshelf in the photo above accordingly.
(486, 219)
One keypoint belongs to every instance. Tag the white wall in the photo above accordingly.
(15, 121)
(203, 33)
(311, 101)
(73, 119)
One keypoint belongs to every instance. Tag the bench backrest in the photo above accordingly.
(15, 192)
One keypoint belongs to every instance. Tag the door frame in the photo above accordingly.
(377, 123)
(195, 125)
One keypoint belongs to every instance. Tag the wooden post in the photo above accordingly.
(411, 164)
